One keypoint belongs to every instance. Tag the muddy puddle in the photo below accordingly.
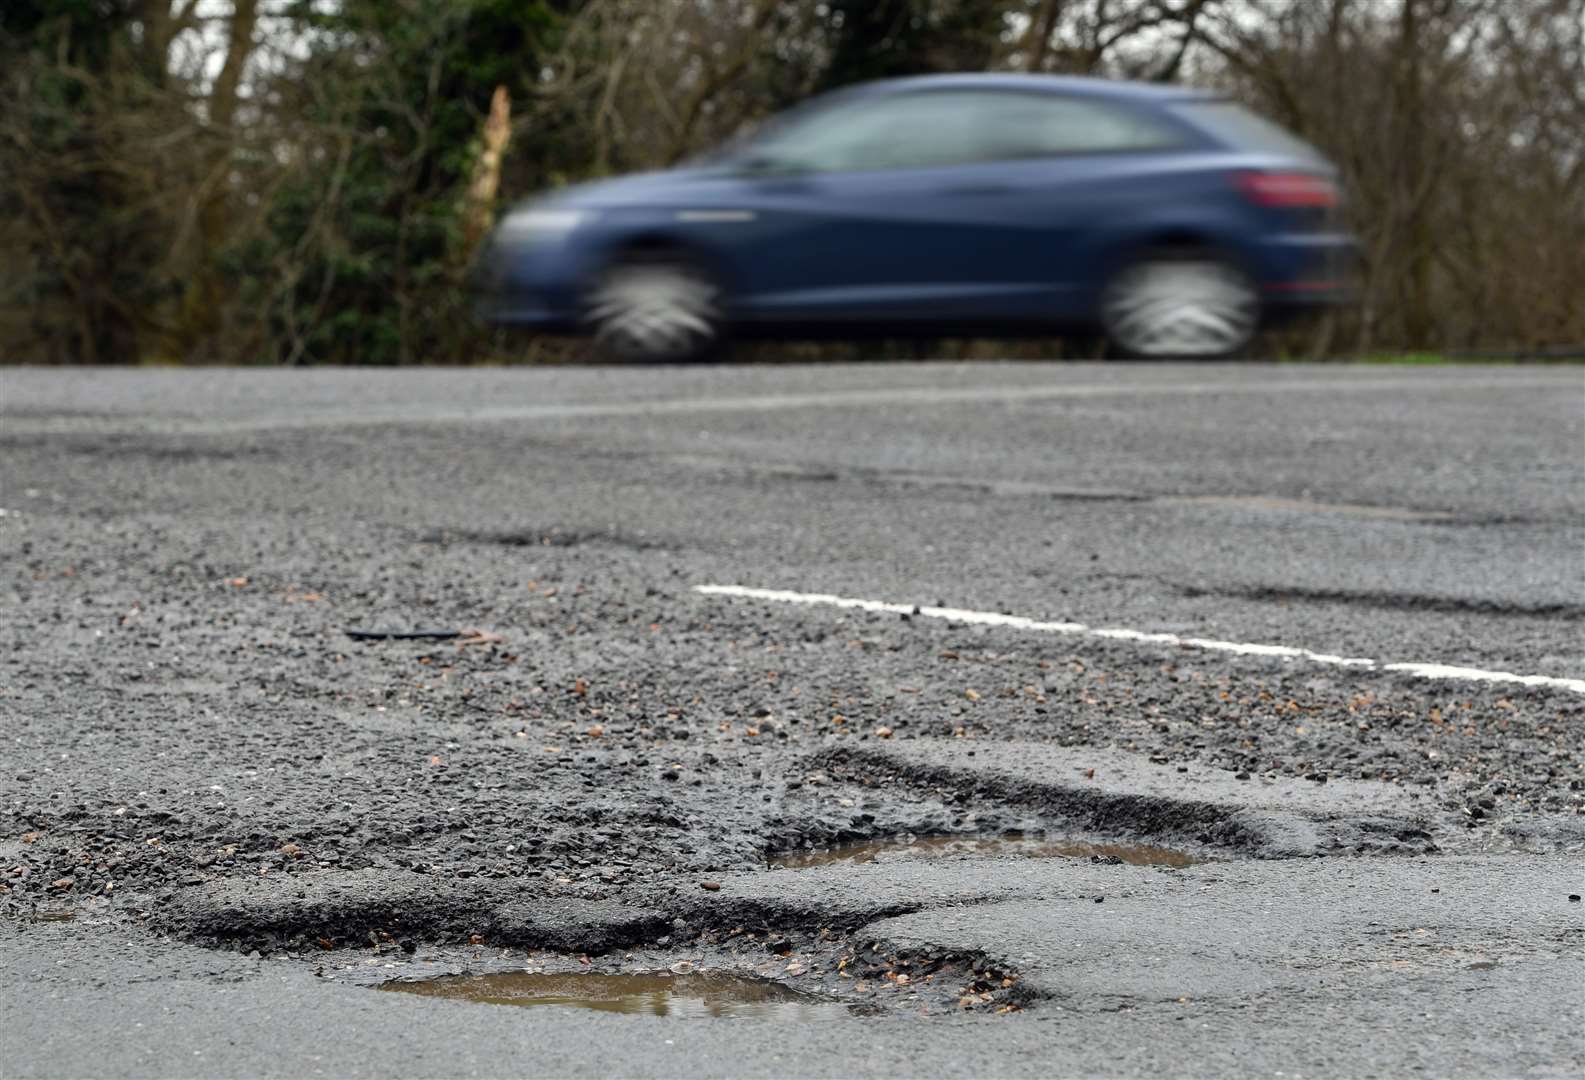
(1011, 846)
(697, 996)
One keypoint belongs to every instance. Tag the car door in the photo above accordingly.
(877, 210)
(1061, 170)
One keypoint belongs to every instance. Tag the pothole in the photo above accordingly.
(46, 916)
(1008, 846)
(688, 997)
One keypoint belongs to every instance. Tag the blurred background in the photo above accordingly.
(307, 181)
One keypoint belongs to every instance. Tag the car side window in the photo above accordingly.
(1037, 125)
(896, 132)
(941, 127)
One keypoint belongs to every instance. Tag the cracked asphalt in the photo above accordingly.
(223, 820)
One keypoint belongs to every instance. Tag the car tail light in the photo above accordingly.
(1282, 189)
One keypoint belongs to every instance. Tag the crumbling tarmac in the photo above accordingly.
(226, 822)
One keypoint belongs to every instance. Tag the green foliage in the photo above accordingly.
(878, 39)
(313, 207)
(401, 91)
(75, 245)
(85, 31)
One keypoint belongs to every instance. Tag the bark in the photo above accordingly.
(204, 299)
(479, 202)
(1041, 29)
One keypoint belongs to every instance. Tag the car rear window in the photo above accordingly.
(1245, 130)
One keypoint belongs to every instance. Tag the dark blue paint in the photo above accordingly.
(1012, 245)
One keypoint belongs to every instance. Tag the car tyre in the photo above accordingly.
(656, 307)
(1180, 304)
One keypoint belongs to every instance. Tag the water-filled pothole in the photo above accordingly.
(1013, 846)
(686, 996)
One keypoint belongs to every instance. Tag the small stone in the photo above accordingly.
(883, 733)
(62, 884)
(710, 886)
(1573, 897)
(1100, 899)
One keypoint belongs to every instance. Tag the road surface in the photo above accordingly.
(1306, 645)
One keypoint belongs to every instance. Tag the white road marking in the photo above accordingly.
(1019, 622)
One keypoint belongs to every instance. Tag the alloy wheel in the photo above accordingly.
(655, 311)
(1180, 308)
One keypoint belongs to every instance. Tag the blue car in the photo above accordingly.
(1172, 220)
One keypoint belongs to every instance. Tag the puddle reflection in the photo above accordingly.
(727, 997)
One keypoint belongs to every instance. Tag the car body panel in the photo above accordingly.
(1015, 244)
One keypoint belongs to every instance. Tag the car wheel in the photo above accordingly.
(656, 308)
(1183, 305)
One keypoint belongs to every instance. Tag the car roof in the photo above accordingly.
(1075, 85)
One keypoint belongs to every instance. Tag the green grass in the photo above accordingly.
(1426, 359)
(1418, 358)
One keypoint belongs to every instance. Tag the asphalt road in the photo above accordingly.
(1317, 628)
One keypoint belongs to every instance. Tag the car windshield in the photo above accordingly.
(1240, 128)
(754, 139)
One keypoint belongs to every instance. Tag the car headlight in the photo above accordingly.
(540, 224)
